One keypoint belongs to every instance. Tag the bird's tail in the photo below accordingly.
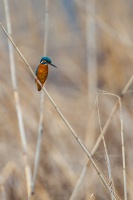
(38, 86)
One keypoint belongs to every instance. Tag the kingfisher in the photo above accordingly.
(42, 71)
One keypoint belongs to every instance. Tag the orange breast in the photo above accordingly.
(42, 73)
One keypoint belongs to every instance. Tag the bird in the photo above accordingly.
(42, 71)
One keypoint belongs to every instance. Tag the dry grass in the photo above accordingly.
(62, 160)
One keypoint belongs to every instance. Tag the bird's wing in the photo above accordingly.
(36, 73)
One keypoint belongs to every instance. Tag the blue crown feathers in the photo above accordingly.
(47, 59)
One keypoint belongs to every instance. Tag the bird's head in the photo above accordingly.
(46, 60)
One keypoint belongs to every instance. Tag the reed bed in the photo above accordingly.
(84, 109)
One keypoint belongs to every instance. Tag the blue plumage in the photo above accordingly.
(46, 60)
(36, 71)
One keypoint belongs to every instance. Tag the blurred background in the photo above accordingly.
(91, 44)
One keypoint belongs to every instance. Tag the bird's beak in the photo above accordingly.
(53, 65)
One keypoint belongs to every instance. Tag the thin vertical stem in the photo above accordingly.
(46, 28)
(16, 97)
(123, 153)
(106, 154)
(91, 50)
(41, 120)
(122, 140)
(91, 59)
